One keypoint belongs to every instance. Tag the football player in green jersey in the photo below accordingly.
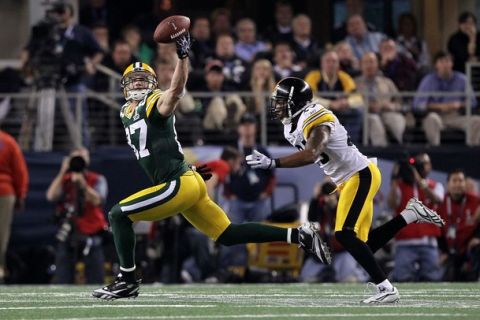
(149, 121)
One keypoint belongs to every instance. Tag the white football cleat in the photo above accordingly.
(424, 214)
(382, 295)
(310, 240)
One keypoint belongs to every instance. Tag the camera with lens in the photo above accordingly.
(405, 169)
(64, 220)
(77, 164)
(47, 61)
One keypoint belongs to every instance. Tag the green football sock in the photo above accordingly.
(124, 237)
(256, 233)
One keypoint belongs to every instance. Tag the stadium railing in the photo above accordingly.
(104, 123)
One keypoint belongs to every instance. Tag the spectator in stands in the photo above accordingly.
(353, 7)
(221, 22)
(409, 42)
(221, 111)
(360, 39)
(234, 68)
(13, 190)
(305, 47)
(166, 51)
(348, 62)
(384, 110)
(247, 191)
(344, 268)
(102, 36)
(282, 30)
(262, 83)
(79, 195)
(461, 233)
(148, 21)
(283, 58)
(416, 254)
(203, 46)
(247, 45)
(120, 58)
(464, 45)
(445, 112)
(333, 86)
(99, 12)
(80, 52)
(131, 34)
(230, 161)
(472, 186)
(395, 65)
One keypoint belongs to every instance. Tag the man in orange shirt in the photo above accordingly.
(13, 189)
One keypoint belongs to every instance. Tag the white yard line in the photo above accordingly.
(261, 316)
(113, 306)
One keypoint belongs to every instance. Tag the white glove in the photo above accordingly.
(258, 160)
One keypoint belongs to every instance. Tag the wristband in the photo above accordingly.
(277, 163)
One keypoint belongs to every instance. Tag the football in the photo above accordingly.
(171, 28)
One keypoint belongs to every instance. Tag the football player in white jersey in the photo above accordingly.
(320, 138)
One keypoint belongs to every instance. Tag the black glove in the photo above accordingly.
(183, 44)
(204, 171)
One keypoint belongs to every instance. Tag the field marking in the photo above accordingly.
(113, 306)
(261, 316)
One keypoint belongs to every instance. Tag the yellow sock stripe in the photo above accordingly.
(315, 122)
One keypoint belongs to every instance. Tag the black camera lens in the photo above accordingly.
(77, 164)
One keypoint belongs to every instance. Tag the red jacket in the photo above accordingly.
(92, 219)
(460, 221)
(416, 230)
(13, 169)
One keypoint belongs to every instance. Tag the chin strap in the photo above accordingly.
(137, 95)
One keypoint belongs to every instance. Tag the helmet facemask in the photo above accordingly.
(283, 108)
(137, 84)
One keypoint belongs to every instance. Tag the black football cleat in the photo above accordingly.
(119, 289)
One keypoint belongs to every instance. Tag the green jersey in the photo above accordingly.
(153, 139)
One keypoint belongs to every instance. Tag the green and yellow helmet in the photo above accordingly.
(138, 71)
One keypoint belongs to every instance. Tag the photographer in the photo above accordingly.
(416, 254)
(61, 52)
(79, 195)
(460, 240)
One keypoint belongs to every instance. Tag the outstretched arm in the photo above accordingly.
(168, 102)
(316, 142)
(314, 148)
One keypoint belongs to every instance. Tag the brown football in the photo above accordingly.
(171, 28)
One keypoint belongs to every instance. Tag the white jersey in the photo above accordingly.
(341, 158)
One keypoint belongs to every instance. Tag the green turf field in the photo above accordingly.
(284, 301)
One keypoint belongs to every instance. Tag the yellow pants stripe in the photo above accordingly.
(191, 200)
(355, 205)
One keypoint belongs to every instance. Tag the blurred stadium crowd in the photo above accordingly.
(389, 83)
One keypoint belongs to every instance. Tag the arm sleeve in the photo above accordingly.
(19, 171)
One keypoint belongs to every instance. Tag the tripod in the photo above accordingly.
(40, 115)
